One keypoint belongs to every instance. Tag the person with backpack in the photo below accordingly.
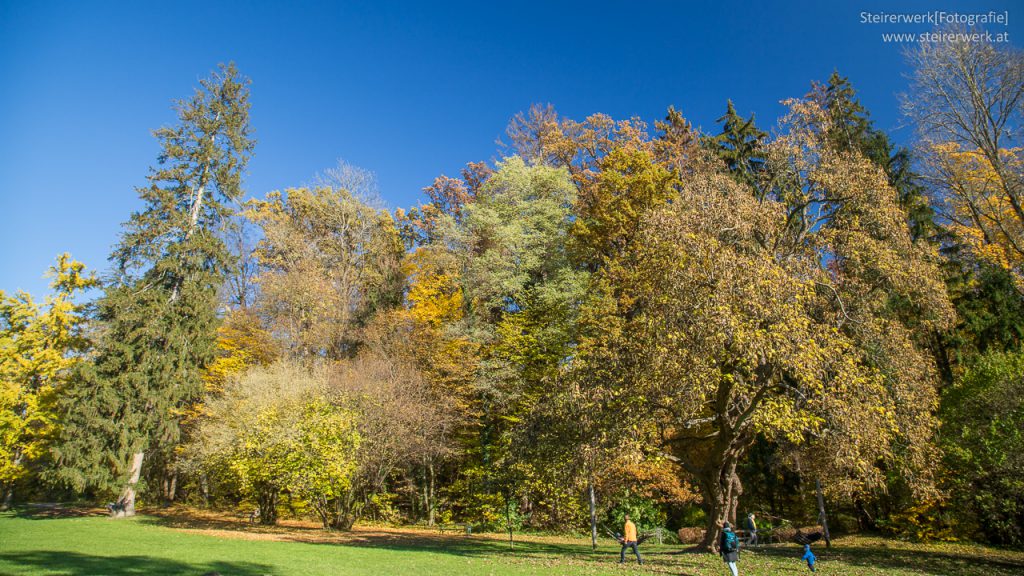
(809, 557)
(729, 548)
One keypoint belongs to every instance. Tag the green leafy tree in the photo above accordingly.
(983, 437)
(159, 313)
(521, 296)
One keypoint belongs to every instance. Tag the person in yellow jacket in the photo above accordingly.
(629, 541)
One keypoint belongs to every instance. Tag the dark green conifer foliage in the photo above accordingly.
(740, 146)
(159, 314)
(853, 130)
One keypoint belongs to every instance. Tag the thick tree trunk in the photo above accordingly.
(172, 492)
(715, 507)
(720, 488)
(125, 506)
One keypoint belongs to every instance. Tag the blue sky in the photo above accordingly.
(407, 90)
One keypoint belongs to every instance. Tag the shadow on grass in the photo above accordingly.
(74, 564)
(49, 510)
(410, 541)
(395, 539)
(925, 562)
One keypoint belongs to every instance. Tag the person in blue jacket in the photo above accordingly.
(809, 557)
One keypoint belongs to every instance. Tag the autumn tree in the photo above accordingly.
(328, 262)
(242, 343)
(967, 99)
(889, 297)
(718, 316)
(851, 129)
(40, 345)
(401, 422)
(276, 429)
(159, 312)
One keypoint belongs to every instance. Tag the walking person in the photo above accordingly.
(729, 548)
(809, 557)
(752, 528)
(629, 541)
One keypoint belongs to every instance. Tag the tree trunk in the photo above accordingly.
(172, 492)
(593, 514)
(267, 502)
(822, 518)
(508, 518)
(125, 506)
(204, 488)
(9, 487)
(733, 496)
(720, 489)
(347, 509)
(430, 494)
(714, 487)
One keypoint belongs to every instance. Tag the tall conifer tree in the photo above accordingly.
(159, 313)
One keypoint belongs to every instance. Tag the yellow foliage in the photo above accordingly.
(983, 203)
(39, 346)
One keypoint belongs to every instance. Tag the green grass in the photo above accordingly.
(33, 543)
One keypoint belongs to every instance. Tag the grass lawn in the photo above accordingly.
(189, 542)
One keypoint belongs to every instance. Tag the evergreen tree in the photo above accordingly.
(740, 146)
(851, 130)
(159, 313)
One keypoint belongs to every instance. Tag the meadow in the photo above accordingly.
(183, 542)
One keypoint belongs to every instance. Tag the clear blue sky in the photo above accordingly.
(407, 90)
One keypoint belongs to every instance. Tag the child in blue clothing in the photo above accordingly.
(809, 557)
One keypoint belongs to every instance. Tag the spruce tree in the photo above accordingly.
(739, 145)
(851, 129)
(158, 316)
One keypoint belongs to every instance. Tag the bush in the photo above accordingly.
(691, 535)
(924, 522)
(644, 512)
